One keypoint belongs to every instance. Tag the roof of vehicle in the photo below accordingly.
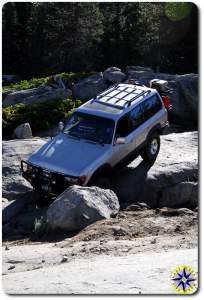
(116, 100)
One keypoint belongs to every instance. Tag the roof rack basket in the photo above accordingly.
(107, 96)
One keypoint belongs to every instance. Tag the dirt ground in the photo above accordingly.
(106, 256)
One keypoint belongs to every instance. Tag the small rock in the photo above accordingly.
(43, 261)
(177, 228)
(169, 212)
(11, 267)
(143, 205)
(133, 207)
(119, 231)
(185, 211)
(6, 248)
(153, 241)
(64, 259)
(23, 131)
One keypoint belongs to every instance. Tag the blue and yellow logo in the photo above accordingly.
(184, 280)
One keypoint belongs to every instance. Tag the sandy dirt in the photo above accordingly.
(121, 255)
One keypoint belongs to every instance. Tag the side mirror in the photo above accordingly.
(60, 126)
(120, 140)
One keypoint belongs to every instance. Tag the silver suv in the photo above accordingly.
(103, 134)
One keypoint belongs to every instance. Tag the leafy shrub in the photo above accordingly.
(36, 82)
(41, 227)
(41, 116)
(26, 84)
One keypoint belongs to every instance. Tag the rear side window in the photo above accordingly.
(136, 116)
(151, 106)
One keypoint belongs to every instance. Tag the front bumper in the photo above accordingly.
(47, 181)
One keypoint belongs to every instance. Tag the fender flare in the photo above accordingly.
(105, 169)
(156, 128)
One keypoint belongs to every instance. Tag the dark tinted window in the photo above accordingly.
(151, 106)
(136, 116)
(124, 127)
(90, 127)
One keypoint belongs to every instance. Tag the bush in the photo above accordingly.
(36, 82)
(41, 227)
(41, 116)
(26, 84)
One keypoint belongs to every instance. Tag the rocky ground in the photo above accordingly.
(129, 254)
(106, 257)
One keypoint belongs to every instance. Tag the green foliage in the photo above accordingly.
(77, 36)
(41, 116)
(41, 227)
(177, 11)
(36, 82)
(26, 84)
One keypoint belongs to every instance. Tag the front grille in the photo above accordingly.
(42, 179)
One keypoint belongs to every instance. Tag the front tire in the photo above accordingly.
(152, 148)
(102, 182)
(41, 199)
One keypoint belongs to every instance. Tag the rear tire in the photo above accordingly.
(151, 150)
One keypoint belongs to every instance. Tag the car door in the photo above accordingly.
(123, 129)
(152, 112)
(137, 120)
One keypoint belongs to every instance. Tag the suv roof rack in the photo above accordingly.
(122, 94)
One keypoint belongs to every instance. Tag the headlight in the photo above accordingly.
(71, 180)
(25, 167)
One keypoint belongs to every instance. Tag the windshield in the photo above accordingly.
(94, 128)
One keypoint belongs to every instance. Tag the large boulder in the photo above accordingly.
(12, 209)
(184, 92)
(114, 75)
(89, 87)
(188, 85)
(179, 194)
(23, 131)
(13, 151)
(77, 207)
(8, 79)
(171, 181)
(136, 72)
(36, 95)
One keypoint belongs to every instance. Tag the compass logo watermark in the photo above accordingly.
(184, 280)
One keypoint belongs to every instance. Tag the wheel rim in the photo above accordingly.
(154, 146)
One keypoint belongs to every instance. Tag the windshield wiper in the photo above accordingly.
(72, 135)
(95, 141)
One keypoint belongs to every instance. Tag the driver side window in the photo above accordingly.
(124, 127)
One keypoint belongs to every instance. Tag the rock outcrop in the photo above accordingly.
(77, 207)
(13, 151)
(8, 79)
(89, 87)
(171, 181)
(114, 75)
(138, 71)
(36, 95)
(184, 92)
